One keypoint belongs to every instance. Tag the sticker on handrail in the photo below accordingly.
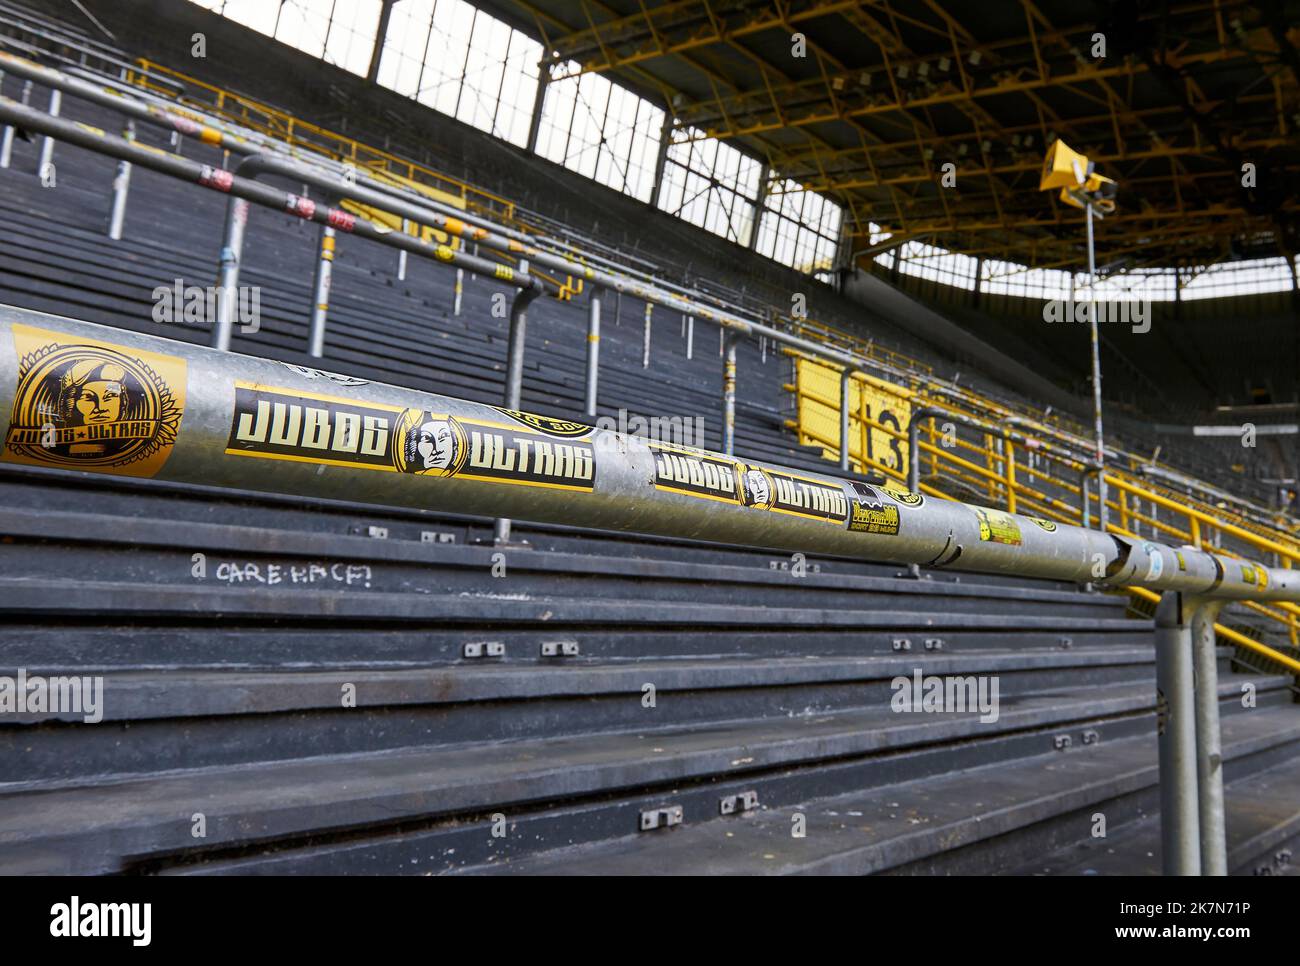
(287, 424)
(997, 527)
(1042, 524)
(869, 513)
(90, 405)
(800, 496)
(695, 473)
(1155, 561)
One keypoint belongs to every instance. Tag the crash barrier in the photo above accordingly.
(84, 397)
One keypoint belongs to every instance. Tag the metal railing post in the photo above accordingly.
(7, 141)
(320, 301)
(846, 386)
(121, 188)
(47, 145)
(729, 395)
(232, 250)
(401, 252)
(458, 291)
(1209, 741)
(645, 338)
(690, 337)
(1180, 835)
(515, 377)
(593, 352)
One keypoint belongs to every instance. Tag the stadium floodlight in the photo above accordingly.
(1082, 187)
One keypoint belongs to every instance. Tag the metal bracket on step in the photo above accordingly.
(375, 533)
(1062, 742)
(1066, 642)
(436, 536)
(661, 817)
(934, 643)
(560, 649)
(901, 644)
(744, 802)
(1091, 737)
(484, 649)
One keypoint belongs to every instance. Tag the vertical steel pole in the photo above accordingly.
(47, 146)
(7, 142)
(1102, 514)
(515, 375)
(645, 338)
(121, 188)
(232, 250)
(320, 302)
(401, 253)
(729, 395)
(458, 291)
(593, 351)
(846, 385)
(690, 337)
(1180, 836)
(1209, 741)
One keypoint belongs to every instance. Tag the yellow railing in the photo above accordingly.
(1005, 473)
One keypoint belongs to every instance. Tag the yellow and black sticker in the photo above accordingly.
(306, 427)
(1042, 524)
(869, 512)
(287, 424)
(90, 405)
(1254, 575)
(565, 429)
(800, 496)
(997, 527)
(1182, 561)
(695, 473)
(902, 494)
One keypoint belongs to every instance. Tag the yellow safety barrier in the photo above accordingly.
(1003, 472)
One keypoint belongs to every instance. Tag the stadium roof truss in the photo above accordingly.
(868, 100)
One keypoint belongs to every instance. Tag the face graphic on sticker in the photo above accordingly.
(93, 394)
(433, 446)
(758, 490)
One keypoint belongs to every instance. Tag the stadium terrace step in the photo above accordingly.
(983, 818)
(106, 826)
(1263, 834)
(235, 717)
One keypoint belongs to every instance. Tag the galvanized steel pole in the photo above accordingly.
(518, 339)
(47, 145)
(1103, 512)
(320, 303)
(729, 396)
(121, 188)
(599, 478)
(846, 386)
(593, 353)
(1209, 742)
(1180, 835)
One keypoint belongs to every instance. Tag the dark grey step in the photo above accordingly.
(899, 826)
(98, 827)
(1262, 818)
